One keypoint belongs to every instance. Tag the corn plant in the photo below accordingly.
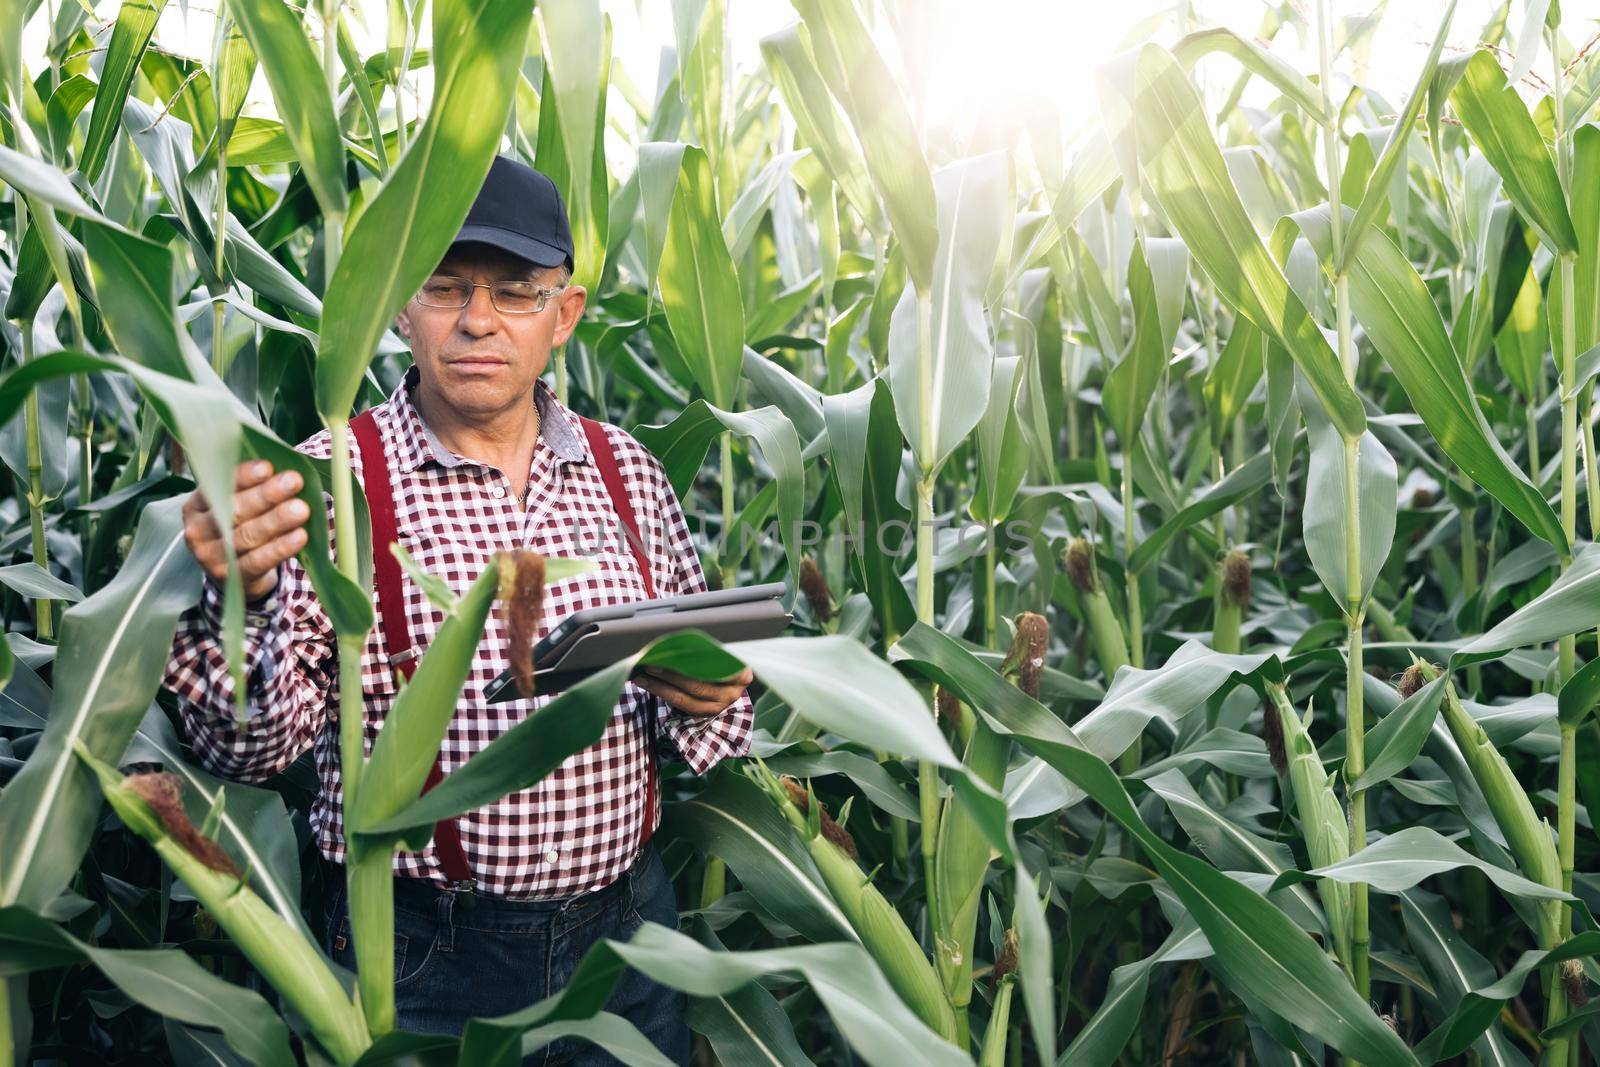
(1194, 654)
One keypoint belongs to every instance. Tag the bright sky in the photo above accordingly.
(985, 57)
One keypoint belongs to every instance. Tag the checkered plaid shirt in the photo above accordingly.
(575, 831)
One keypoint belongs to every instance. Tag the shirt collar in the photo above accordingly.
(559, 428)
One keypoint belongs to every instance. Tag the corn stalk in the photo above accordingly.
(1355, 717)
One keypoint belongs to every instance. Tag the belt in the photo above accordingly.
(423, 894)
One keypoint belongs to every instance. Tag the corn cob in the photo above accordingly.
(1322, 820)
(149, 805)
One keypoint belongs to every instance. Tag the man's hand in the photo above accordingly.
(268, 527)
(691, 695)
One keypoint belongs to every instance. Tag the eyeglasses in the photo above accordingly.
(510, 297)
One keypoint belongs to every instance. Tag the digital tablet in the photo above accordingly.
(594, 638)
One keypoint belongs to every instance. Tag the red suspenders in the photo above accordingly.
(396, 627)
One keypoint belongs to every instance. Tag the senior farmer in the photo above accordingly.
(477, 455)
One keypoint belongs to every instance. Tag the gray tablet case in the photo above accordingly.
(589, 640)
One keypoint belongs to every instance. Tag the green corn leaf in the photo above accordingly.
(114, 651)
(166, 981)
(878, 1026)
(699, 285)
(1390, 301)
(1570, 606)
(1394, 743)
(1499, 124)
(301, 94)
(1133, 382)
(1255, 60)
(577, 39)
(1186, 175)
(1327, 516)
(681, 446)
(848, 59)
(1374, 201)
(406, 229)
(735, 821)
(1405, 857)
(941, 360)
(415, 726)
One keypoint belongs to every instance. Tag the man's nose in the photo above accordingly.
(479, 317)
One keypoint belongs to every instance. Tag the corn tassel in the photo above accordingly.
(289, 962)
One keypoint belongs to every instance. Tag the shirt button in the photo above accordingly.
(498, 492)
(552, 856)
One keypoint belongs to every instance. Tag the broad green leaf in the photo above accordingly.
(1579, 694)
(1231, 380)
(1454, 965)
(787, 54)
(1374, 201)
(681, 446)
(864, 455)
(859, 697)
(406, 229)
(1241, 483)
(1002, 448)
(1481, 1005)
(1183, 683)
(1407, 856)
(1499, 124)
(1393, 744)
(577, 40)
(1392, 304)
(847, 58)
(877, 785)
(45, 183)
(735, 821)
(408, 743)
(1327, 516)
(32, 580)
(1186, 174)
(1259, 949)
(166, 981)
(660, 163)
(300, 92)
(868, 1014)
(1570, 606)
(1101, 1040)
(1524, 338)
(941, 359)
(699, 286)
(1133, 382)
(1255, 60)
(113, 652)
(135, 24)
(745, 1025)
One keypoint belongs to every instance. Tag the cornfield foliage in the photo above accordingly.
(1197, 660)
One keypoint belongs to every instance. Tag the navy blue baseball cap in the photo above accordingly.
(520, 210)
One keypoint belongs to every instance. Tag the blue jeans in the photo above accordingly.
(459, 956)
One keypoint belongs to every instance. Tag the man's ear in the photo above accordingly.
(574, 298)
(403, 321)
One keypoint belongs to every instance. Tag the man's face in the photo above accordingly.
(478, 361)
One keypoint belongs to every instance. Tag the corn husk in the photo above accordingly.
(1105, 629)
(883, 932)
(1322, 820)
(286, 959)
(1527, 835)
